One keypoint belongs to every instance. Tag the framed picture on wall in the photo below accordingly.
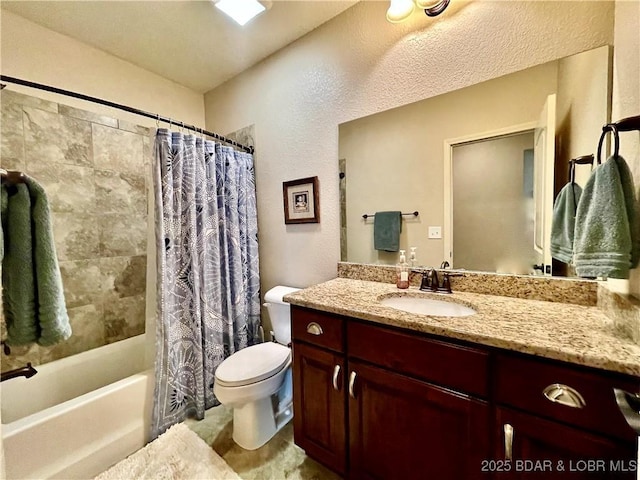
(301, 200)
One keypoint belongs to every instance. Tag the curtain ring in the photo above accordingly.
(181, 127)
(610, 127)
(157, 120)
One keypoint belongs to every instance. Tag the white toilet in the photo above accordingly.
(256, 381)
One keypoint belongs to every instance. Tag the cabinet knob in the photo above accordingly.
(336, 373)
(314, 329)
(508, 442)
(564, 395)
(352, 382)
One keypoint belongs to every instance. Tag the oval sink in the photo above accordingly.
(428, 306)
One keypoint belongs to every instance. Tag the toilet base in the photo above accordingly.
(255, 423)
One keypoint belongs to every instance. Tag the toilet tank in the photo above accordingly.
(280, 312)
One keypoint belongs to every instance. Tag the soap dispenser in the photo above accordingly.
(402, 272)
(413, 257)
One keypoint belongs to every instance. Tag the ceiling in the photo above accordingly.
(189, 42)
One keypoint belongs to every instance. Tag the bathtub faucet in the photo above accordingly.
(27, 371)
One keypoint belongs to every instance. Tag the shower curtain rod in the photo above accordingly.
(126, 108)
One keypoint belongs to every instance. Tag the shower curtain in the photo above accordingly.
(207, 262)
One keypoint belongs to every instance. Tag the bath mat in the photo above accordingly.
(177, 454)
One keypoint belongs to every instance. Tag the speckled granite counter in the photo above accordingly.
(571, 333)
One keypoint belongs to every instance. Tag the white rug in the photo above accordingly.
(177, 454)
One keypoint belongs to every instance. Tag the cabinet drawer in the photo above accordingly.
(318, 328)
(521, 382)
(447, 364)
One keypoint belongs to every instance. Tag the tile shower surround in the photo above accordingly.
(93, 168)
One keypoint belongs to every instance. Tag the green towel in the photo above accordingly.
(18, 282)
(386, 231)
(564, 221)
(631, 204)
(606, 237)
(32, 285)
(53, 319)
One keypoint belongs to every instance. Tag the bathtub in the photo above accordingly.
(78, 415)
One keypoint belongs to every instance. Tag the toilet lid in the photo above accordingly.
(253, 364)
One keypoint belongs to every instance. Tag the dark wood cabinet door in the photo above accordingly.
(538, 446)
(401, 428)
(319, 425)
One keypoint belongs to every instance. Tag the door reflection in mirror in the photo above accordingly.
(493, 221)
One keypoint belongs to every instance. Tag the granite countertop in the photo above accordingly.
(572, 333)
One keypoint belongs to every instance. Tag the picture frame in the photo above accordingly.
(301, 200)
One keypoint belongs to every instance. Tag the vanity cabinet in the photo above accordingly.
(378, 402)
(401, 407)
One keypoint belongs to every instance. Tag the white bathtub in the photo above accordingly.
(78, 415)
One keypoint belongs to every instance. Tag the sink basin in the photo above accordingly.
(428, 306)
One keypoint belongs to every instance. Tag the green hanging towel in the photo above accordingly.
(53, 320)
(606, 234)
(18, 282)
(386, 231)
(33, 297)
(564, 221)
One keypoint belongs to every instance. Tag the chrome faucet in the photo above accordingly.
(27, 371)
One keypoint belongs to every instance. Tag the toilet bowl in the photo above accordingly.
(256, 381)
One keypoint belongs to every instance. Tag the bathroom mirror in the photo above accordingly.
(478, 209)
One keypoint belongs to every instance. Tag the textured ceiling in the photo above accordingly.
(189, 42)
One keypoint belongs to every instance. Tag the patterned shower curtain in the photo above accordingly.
(207, 260)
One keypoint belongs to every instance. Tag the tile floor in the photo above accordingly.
(279, 459)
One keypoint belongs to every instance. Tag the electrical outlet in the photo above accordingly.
(435, 232)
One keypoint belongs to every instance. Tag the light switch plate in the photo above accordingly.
(435, 232)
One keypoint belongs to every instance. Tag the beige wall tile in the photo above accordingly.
(117, 150)
(120, 192)
(76, 236)
(50, 137)
(124, 318)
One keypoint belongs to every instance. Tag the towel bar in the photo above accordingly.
(415, 214)
(11, 176)
(584, 160)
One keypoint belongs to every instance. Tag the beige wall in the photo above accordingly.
(394, 159)
(34, 53)
(582, 108)
(358, 64)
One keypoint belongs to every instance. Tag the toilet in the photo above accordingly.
(256, 381)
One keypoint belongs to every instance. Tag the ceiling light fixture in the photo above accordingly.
(400, 10)
(241, 10)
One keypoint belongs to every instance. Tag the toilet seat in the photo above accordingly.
(253, 364)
